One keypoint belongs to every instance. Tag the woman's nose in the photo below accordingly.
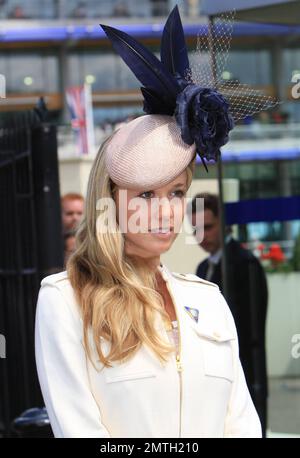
(163, 211)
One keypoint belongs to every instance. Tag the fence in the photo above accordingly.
(30, 248)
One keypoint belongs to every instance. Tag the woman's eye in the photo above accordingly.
(149, 194)
(179, 193)
(146, 195)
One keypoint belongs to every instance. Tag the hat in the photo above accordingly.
(147, 153)
(183, 118)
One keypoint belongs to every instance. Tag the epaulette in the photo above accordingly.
(54, 278)
(193, 278)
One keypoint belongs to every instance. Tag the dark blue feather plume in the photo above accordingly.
(174, 55)
(153, 104)
(144, 64)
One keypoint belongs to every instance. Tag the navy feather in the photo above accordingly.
(173, 52)
(145, 65)
(153, 104)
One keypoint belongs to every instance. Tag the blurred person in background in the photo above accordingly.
(79, 11)
(69, 245)
(18, 13)
(159, 7)
(72, 205)
(247, 297)
(121, 10)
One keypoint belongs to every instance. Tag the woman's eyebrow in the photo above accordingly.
(179, 184)
(171, 187)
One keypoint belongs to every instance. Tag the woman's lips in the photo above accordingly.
(163, 233)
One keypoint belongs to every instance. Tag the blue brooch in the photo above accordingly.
(193, 313)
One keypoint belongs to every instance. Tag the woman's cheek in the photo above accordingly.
(178, 212)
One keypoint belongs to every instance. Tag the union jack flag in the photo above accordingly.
(76, 103)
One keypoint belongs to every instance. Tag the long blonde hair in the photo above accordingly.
(117, 295)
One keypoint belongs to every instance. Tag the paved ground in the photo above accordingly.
(284, 407)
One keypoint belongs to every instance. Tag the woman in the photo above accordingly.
(107, 358)
(124, 347)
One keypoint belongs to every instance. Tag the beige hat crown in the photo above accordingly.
(147, 153)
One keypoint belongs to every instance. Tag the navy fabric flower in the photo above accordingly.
(204, 118)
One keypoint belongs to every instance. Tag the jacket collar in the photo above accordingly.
(209, 325)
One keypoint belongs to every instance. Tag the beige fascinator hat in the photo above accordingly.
(147, 153)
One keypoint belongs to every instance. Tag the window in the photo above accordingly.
(29, 9)
(291, 64)
(29, 72)
(105, 70)
(250, 67)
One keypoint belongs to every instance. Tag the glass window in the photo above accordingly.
(295, 170)
(79, 9)
(74, 73)
(29, 9)
(247, 171)
(250, 67)
(291, 63)
(125, 77)
(105, 70)
(247, 66)
(25, 73)
(50, 73)
(107, 8)
(31, 72)
(99, 67)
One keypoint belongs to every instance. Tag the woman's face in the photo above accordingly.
(151, 220)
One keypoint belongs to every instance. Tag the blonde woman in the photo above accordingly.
(125, 347)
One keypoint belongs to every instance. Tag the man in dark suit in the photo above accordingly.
(247, 297)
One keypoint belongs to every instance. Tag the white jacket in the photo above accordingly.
(202, 394)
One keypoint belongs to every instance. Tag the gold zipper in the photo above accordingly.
(178, 357)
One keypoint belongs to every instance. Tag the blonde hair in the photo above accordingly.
(117, 295)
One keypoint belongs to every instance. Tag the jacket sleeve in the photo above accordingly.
(61, 364)
(242, 419)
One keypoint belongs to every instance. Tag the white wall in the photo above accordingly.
(74, 173)
(283, 322)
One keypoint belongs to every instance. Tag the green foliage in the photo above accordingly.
(285, 267)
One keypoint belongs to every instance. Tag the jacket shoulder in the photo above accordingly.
(193, 278)
(58, 284)
(58, 279)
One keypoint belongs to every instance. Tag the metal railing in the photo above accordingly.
(30, 222)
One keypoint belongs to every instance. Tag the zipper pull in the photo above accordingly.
(178, 364)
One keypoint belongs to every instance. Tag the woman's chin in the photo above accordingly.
(158, 247)
(150, 247)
